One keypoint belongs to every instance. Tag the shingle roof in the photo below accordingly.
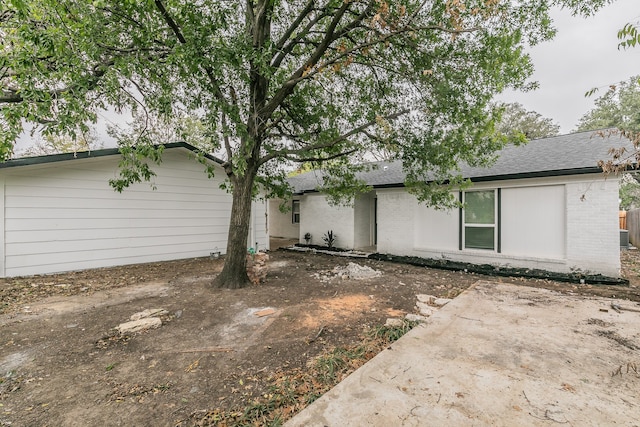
(571, 154)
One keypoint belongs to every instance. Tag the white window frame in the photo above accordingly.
(495, 224)
(295, 213)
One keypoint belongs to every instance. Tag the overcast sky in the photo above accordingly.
(584, 54)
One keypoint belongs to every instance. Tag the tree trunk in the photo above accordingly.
(234, 272)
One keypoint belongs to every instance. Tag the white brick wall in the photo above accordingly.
(590, 242)
(317, 217)
(593, 240)
(396, 213)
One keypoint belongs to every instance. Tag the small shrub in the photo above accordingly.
(330, 239)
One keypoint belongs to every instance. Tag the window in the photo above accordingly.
(479, 219)
(295, 212)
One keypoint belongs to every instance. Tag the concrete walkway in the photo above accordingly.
(499, 355)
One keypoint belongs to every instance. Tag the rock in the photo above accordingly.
(424, 309)
(432, 300)
(442, 301)
(257, 268)
(355, 271)
(427, 299)
(178, 314)
(139, 325)
(415, 318)
(393, 322)
(150, 312)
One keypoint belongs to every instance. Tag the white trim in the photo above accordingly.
(487, 225)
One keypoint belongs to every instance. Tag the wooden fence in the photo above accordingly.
(633, 225)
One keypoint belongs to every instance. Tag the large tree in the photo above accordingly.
(517, 121)
(278, 81)
(618, 108)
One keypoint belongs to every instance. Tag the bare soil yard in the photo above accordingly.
(62, 364)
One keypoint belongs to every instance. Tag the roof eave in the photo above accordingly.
(53, 158)
(504, 177)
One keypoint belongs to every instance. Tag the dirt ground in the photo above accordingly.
(61, 363)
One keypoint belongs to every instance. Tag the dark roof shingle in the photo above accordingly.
(571, 154)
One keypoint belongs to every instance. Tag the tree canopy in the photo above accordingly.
(618, 108)
(54, 144)
(279, 81)
(517, 122)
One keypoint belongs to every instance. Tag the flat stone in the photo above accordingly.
(393, 322)
(139, 325)
(411, 317)
(424, 309)
(150, 312)
(442, 301)
(427, 299)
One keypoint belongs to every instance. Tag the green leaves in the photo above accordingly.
(618, 108)
(629, 36)
(271, 83)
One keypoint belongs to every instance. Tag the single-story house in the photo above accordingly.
(59, 212)
(544, 205)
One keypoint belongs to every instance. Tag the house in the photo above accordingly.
(544, 205)
(59, 213)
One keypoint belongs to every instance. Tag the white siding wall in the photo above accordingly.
(534, 234)
(64, 216)
(280, 224)
(317, 217)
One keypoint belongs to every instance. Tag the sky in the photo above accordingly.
(584, 54)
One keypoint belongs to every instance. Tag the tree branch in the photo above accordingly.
(170, 22)
(320, 159)
(322, 145)
(287, 88)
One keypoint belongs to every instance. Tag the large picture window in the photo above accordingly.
(479, 225)
(295, 212)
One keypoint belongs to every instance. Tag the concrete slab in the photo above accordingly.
(498, 355)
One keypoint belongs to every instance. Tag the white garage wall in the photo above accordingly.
(533, 221)
(64, 216)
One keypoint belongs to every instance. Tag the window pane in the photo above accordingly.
(479, 237)
(295, 211)
(479, 207)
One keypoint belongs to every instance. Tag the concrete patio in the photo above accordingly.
(499, 355)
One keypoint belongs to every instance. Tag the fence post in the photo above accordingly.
(633, 225)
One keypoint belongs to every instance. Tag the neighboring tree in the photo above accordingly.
(618, 108)
(629, 192)
(146, 129)
(55, 144)
(516, 121)
(279, 81)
